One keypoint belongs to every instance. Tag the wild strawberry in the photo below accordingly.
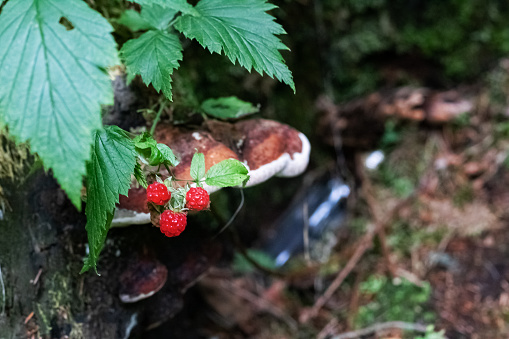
(172, 224)
(158, 193)
(197, 199)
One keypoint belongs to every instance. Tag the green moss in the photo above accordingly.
(456, 39)
(391, 301)
(14, 159)
(463, 195)
(43, 319)
(404, 239)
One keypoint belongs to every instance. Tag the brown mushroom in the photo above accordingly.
(133, 209)
(186, 144)
(142, 279)
(272, 149)
(267, 148)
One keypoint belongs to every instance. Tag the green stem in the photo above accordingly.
(158, 117)
(170, 24)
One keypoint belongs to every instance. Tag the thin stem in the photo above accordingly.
(2, 285)
(173, 21)
(158, 116)
(234, 214)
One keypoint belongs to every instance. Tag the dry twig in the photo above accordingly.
(374, 209)
(382, 327)
(260, 303)
(363, 245)
(36, 279)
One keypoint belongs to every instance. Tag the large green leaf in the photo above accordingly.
(243, 30)
(133, 19)
(54, 81)
(150, 17)
(177, 5)
(108, 175)
(154, 56)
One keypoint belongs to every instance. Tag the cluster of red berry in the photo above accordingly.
(171, 222)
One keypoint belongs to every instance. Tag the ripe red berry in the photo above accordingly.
(197, 199)
(172, 224)
(158, 193)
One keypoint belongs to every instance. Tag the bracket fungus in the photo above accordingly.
(142, 279)
(267, 148)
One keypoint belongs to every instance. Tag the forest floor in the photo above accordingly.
(424, 243)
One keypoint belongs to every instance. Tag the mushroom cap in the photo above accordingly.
(186, 144)
(267, 148)
(445, 106)
(142, 279)
(271, 149)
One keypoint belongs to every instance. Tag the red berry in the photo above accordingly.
(197, 199)
(158, 193)
(172, 224)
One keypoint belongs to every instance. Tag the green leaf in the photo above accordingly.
(108, 175)
(227, 173)
(140, 177)
(242, 265)
(228, 108)
(54, 82)
(144, 141)
(143, 144)
(89, 261)
(198, 166)
(243, 30)
(152, 153)
(167, 155)
(133, 19)
(176, 5)
(154, 56)
(151, 17)
(158, 16)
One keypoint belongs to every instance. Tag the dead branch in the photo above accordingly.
(363, 245)
(260, 303)
(382, 327)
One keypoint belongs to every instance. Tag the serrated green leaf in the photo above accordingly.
(140, 177)
(154, 56)
(156, 157)
(151, 17)
(243, 30)
(228, 108)
(89, 261)
(133, 19)
(169, 158)
(152, 153)
(108, 175)
(198, 166)
(177, 5)
(54, 82)
(144, 141)
(158, 16)
(227, 173)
